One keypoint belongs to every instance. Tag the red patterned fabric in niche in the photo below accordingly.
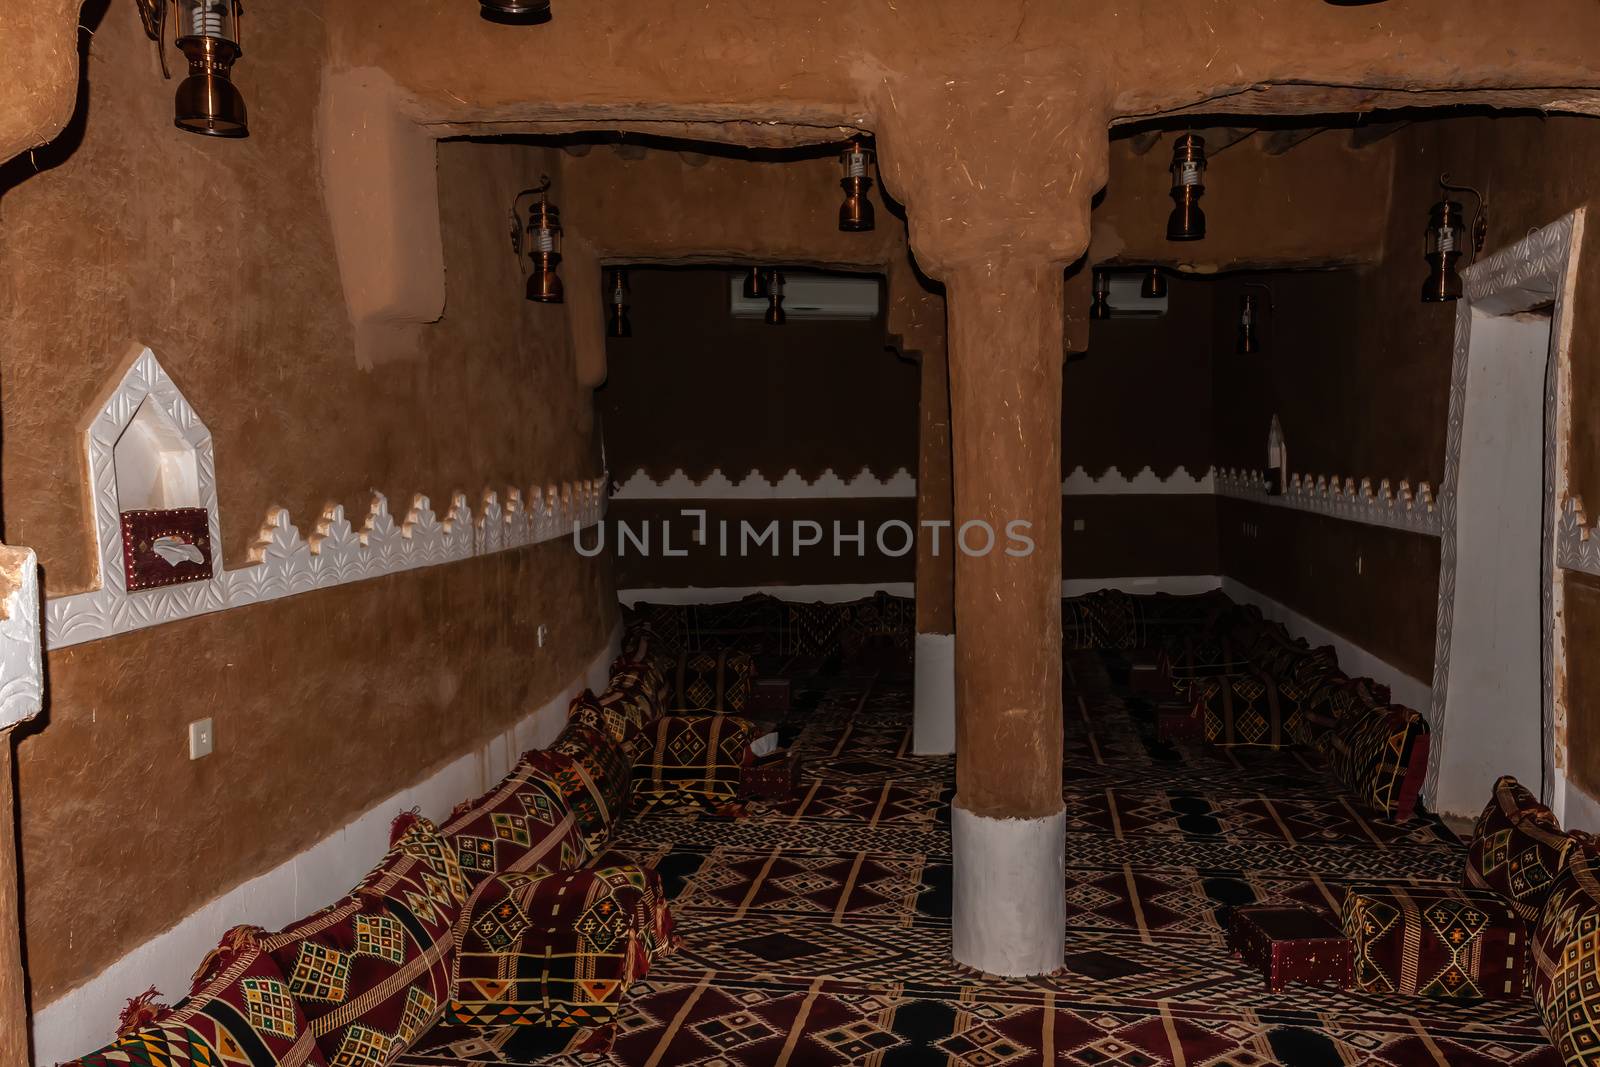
(372, 972)
(168, 546)
(1518, 849)
(523, 823)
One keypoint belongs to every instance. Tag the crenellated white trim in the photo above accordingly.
(21, 658)
(282, 562)
(1145, 483)
(756, 486)
(1340, 498)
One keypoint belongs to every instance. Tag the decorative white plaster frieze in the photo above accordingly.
(21, 660)
(1577, 547)
(755, 486)
(1341, 498)
(1145, 483)
(281, 562)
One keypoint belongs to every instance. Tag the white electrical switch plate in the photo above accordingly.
(202, 739)
(544, 632)
(1077, 525)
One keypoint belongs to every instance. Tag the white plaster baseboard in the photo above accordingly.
(798, 594)
(933, 731)
(1353, 659)
(86, 1017)
(1008, 914)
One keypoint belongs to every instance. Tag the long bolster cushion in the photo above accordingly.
(1517, 849)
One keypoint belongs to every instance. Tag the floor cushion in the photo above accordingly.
(814, 630)
(1436, 941)
(1566, 959)
(1100, 620)
(1517, 849)
(719, 682)
(1248, 709)
(1192, 656)
(592, 773)
(1381, 755)
(693, 761)
(372, 971)
(558, 949)
(239, 1011)
(523, 823)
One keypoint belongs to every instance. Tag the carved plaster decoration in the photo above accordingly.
(21, 661)
(1525, 275)
(1577, 547)
(756, 486)
(282, 562)
(1400, 508)
(1145, 483)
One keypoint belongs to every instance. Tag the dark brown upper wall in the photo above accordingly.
(697, 389)
(1142, 396)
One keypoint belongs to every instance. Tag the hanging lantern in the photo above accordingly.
(515, 12)
(1249, 340)
(207, 33)
(1154, 286)
(775, 315)
(1187, 222)
(540, 240)
(755, 284)
(1101, 308)
(1446, 241)
(618, 323)
(856, 214)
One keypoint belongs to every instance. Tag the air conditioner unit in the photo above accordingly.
(815, 296)
(1126, 303)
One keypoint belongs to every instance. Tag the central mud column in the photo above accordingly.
(1007, 820)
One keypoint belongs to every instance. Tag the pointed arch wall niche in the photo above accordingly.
(178, 465)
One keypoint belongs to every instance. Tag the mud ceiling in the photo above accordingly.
(991, 117)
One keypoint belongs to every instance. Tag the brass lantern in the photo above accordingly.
(515, 12)
(1154, 286)
(1187, 222)
(856, 214)
(540, 240)
(1446, 241)
(1101, 308)
(618, 323)
(755, 284)
(1249, 340)
(207, 33)
(775, 315)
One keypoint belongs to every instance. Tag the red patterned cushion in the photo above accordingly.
(592, 773)
(523, 823)
(693, 761)
(1248, 709)
(718, 682)
(1436, 941)
(1381, 755)
(1566, 959)
(557, 949)
(372, 971)
(239, 1011)
(1517, 849)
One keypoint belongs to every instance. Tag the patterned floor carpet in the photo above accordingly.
(818, 929)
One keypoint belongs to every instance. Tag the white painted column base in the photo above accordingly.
(1008, 912)
(933, 731)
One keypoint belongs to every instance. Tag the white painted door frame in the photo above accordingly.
(1536, 271)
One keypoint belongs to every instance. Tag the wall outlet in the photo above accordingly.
(202, 739)
(1077, 525)
(544, 634)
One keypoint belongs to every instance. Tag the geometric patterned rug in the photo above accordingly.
(817, 930)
